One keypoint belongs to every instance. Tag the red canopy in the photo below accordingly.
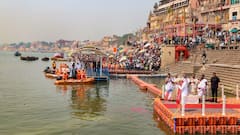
(178, 50)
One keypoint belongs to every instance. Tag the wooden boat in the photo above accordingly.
(45, 59)
(29, 58)
(17, 53)
(59, 59)
(50, 75)
(74, 81)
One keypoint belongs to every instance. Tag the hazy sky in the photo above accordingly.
(50, 20)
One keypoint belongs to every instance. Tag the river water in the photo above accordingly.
(31, 104)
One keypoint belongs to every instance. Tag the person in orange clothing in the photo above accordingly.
(84, 74)
(65, 76)
(116, 66)
(54, 65)
(57, 72)
(60, 68)
(109, 66)
(79, 74)
(113, 66)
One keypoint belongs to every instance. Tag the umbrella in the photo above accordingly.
(121, 51)
(121, 46)
(234, 30)
(123, 58)
(142, 51)
(205, 28)
(130, 51)
(111, 56)
(147, 45)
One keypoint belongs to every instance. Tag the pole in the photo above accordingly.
(100, 65)
(224, 106)
(237, 93)
(163, 91)
(222, 91)
(183, 106)
(203, 105)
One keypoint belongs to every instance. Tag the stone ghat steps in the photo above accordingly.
(225, 73)
(231, 57)
(180, 68)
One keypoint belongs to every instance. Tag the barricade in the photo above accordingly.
(190, 121)
(143, 86)
(180, 121)
(232, 120)
(200, 121)
(232, 129)
(223, 129)
(222, 121)
(211, 129)
(211, 120)
(201, 129)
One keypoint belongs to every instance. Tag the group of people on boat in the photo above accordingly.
(66, 72)
(190, 86)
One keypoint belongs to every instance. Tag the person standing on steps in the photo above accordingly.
(204, 57)
(214, 86)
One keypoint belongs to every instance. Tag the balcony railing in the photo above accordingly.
(234, 18)
(214, 6)
(235, 2)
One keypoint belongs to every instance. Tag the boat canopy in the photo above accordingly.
(90, 50)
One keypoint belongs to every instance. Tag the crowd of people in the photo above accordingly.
(141, 56)
(217, 37)
(185, 86)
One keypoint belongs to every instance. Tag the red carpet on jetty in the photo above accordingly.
(199, 106)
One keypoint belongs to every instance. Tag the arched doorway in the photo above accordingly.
(181, 53)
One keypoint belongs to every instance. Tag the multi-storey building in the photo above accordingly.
(234, 14)
(215, 12)
(188, 18)
(175, 18)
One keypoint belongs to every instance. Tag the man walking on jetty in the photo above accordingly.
(214, 86)
(184, 88)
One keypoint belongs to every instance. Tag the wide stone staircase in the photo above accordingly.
(229, 76)
(230, 57)
(226, 63)
(179, 68)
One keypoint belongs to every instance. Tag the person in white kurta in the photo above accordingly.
(202, 86)
(184, 87)
(194, 81)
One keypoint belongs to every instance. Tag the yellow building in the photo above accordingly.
(173, 18)
(215, 12)
(169, 12)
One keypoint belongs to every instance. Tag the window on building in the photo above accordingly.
(234, 16)
(234, 13)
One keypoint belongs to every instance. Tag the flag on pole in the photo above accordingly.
(114, 49)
